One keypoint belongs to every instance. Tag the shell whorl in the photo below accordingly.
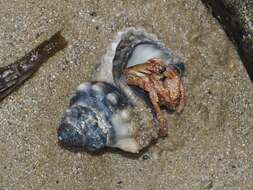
(92, 116)
(109, 112)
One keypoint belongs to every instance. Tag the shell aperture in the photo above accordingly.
(109, 112)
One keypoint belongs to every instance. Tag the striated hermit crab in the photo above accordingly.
(163, 83)
(121, 106)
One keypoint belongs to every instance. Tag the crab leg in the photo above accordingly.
(155, 101)
(182, 99)
(182, 102)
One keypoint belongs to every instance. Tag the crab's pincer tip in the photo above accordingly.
(179, 67)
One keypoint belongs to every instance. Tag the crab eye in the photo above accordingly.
(162, 70)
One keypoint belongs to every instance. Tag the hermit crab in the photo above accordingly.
(163, 83)
(121, 106)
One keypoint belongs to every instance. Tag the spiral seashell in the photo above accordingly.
(109, 112)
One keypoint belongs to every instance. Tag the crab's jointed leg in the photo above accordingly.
(155, 101)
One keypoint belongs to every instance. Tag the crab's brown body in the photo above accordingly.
(162, 82)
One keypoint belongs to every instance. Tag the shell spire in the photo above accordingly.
(109, 112)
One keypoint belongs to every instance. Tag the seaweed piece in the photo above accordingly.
(14, 75)
(236, 16)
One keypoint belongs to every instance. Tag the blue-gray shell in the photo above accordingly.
(88, 120)
(94, 118)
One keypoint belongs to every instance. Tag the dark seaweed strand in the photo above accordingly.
(232, 16)
(14, 75)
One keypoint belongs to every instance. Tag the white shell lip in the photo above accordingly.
(128, 145)
(104, 71)
(143, 53)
